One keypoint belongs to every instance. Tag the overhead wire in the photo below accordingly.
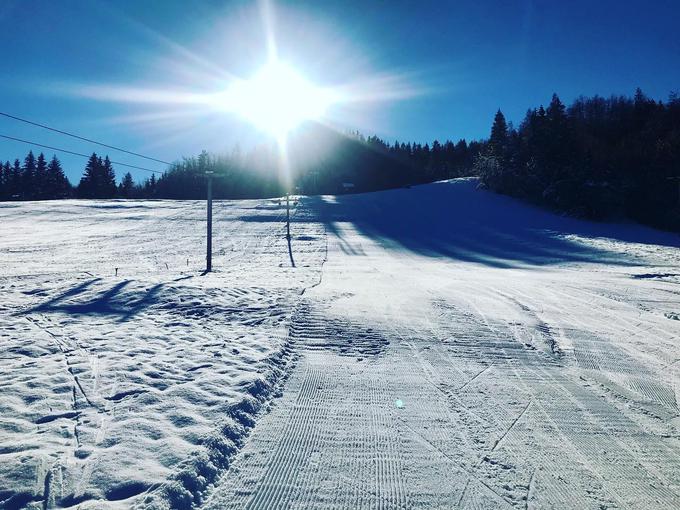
(89, 140)
(58, 149)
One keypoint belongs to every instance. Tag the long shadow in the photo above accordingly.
(111, 302)
(290, 251)
(455, 220)
(261, 218)
(322, 212)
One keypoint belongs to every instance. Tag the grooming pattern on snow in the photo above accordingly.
(519, 381)
(458, 349)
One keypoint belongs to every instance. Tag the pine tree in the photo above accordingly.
(98, 180)
(556, 110)
(56, 182)
(87, 185)
(557, 146)
(39, 179)
(127, 186)
(499, 134)
(490, 164)
(27, 190)
(150, 186)
(16, 181)
(108, 184)
(5, 176)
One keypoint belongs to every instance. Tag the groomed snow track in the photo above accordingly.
(431, 381)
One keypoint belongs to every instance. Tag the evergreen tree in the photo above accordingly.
(57, 184)
(151, 184)
(556, 110)
(16, 181)
(27, 190)
(109, 187)
(39, 179)
(499, 134)
(87, 185)
(558, 150)
(5, 172)
(461, 159)
(490, 163)
(127, 186)
(98, 180)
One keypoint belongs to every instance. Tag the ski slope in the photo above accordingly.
(433, 347)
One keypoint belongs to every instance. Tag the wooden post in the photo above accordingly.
(287, 215)
(208, 257)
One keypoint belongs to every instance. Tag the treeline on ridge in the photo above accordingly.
(318, 161)
(599, 158)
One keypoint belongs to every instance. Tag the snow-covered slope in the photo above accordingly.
(111, 383)
(433, 347)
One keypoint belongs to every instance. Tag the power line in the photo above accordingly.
(83, 138)
(76, 153)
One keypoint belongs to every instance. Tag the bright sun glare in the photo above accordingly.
(276, 99)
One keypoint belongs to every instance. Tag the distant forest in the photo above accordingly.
(598, 158)
(319, 161)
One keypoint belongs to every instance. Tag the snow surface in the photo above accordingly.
(433, 347)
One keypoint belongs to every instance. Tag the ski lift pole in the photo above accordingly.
(208, 257)
(287, 215)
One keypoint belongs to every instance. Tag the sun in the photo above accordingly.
(276, 99)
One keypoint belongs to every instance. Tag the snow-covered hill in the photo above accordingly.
(432, 347)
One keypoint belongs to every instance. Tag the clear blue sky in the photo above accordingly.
(457, 61)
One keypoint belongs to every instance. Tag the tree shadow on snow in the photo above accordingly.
(117, 301)
(455, 220)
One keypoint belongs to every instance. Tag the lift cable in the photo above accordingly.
(76, 153)
(83, 138)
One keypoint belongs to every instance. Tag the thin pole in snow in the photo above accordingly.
(287, 215)
(208, 257)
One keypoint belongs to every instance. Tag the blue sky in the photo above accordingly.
(438, 70)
